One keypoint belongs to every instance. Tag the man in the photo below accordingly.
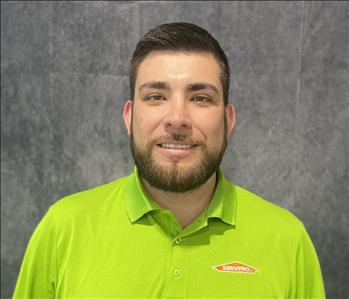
(174, 228)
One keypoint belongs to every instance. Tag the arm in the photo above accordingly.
(38, 275)
(306, 279)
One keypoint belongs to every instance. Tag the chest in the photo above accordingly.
(147, 263)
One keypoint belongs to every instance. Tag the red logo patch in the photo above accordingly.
(236, 267)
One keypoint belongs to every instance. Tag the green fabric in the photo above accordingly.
(114, 241)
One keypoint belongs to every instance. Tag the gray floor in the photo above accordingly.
(64, 81)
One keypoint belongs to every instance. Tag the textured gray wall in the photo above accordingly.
(64, 81)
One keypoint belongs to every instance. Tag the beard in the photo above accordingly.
(176, 178)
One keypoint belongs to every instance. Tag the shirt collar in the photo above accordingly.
(138, 202)
(222, 205)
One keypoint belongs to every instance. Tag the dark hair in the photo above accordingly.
(179, 37)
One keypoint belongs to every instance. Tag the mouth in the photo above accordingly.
(175, 150)
(176, 146)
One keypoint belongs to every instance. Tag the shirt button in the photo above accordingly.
(176, 272)
(178, 241)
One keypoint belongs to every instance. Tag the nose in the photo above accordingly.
(177, 120)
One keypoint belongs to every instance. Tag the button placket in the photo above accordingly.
(176, 272)
(176, 275)
(178, 240)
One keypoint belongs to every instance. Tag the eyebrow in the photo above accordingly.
(191, 87)
(201, 86)
(156, 85)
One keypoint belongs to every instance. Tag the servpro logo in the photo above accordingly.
(236, 267)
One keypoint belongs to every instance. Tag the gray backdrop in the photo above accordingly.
(64, 81)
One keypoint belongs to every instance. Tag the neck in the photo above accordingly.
(185, 206)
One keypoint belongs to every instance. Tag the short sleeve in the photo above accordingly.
(38, 273)
(306, 278)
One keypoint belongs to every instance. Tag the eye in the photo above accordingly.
(154, 98)
(201, 99)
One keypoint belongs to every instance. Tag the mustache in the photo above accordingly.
(175, 138)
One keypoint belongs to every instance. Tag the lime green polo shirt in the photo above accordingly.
(114, 241)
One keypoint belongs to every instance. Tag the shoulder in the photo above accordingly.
(256, 211)
(89, 201)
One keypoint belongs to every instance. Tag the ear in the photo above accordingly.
(127, 115)
(230, 117)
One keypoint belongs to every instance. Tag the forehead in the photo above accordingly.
(179, 67)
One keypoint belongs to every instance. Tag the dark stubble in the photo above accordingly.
(175, 178)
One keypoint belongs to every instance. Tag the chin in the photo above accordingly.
(177, 163)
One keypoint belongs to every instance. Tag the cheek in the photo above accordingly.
(217, 131)
(137, 117)
(142, 128)
(211, 124)
(146, 121)
(214, 131)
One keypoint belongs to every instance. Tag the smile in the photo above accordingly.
(176, 146)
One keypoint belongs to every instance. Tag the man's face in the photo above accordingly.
(177, 123)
